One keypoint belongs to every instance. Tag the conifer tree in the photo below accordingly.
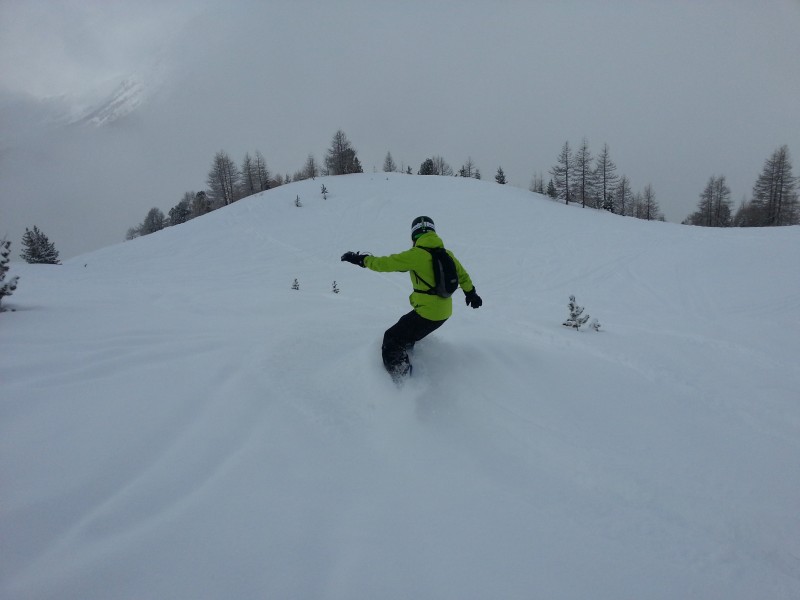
(714, 208)
(224, 180)
(584, 175)
(440, 166)
(775, 200)
(500, 177)
(551, 189)
(576, 317)
(537, 184)
(262, 172)
(746, 215)
(311, 168)
(606, 178)
(649, 209)
(468, 168)
(255, 175)
(388, 164)
(341, 158)
(249, 177)
(562, 174)
(200, 205)
(37, 248)
(182, 211)
(154, 221)
(623, 197)
(426, 168)
(7, 287)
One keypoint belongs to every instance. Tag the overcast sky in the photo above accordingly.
(679, 90)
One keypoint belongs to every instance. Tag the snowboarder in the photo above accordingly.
(430, 310)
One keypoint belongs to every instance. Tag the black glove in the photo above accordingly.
(472, 298)
(355, 258)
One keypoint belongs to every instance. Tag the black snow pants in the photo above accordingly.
(401, 337)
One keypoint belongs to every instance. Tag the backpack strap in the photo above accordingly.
(431, 291)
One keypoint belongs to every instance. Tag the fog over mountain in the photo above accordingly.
(109, 110)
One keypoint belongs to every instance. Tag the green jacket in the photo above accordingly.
(419, 264)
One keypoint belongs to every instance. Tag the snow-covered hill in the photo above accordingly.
(177, 422)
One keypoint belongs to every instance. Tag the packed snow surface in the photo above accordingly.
(177, 422)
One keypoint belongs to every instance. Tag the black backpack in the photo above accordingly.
(444, 272)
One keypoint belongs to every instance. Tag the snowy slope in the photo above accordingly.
(124, 100)
(178, 423)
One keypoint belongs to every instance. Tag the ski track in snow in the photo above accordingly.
(177, 422)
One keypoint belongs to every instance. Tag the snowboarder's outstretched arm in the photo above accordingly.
(355, 258)
(409, 260)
